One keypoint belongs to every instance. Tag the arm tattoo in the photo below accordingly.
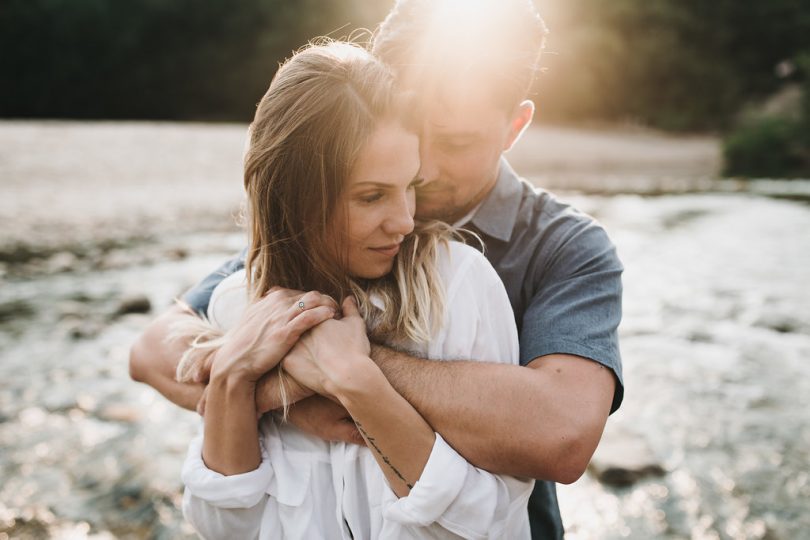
(373, 443)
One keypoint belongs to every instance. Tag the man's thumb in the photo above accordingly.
(350, 307)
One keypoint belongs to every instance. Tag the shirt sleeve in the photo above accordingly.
(463, 499)
(221, 506)
(198, 297)
(577, 306)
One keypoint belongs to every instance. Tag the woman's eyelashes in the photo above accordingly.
(371, 197)
(377, 195)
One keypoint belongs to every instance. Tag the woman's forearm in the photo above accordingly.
(231, 443)
(397, 435)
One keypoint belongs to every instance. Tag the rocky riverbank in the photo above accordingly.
(103, 224)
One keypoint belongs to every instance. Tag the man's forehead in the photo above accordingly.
(461, 113)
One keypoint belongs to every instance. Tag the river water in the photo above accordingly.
(713, 438)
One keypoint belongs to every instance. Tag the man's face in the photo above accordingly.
(461, 142)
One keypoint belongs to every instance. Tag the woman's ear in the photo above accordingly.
(520, 121)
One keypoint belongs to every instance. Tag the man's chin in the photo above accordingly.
(439, 214)
(434, 209)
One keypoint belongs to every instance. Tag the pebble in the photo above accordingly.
(119, 412)
(15, 309)
(71, 309)
(623, 458)
(61, 262)
(59, 401)
(81, 328)
(138, 303)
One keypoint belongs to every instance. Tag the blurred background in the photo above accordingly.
(683, 126)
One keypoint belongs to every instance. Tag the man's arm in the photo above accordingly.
(154, 357)
(543, 421)
(153, 360)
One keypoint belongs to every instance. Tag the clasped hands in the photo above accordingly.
(321, 348)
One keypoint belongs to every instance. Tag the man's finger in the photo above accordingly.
(350, 307)
(201, 404)
(203, 373)
(347, 432)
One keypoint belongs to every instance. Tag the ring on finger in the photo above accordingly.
(301, 305)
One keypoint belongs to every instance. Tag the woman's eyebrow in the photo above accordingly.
(372, 183)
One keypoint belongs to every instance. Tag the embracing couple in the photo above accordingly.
(405, 384)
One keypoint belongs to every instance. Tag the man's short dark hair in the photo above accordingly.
(433, 43)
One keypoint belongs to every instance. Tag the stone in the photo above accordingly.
(623, 458)
(118, 412)
(15, 309)
(64, 261)
(177, 253)
(784, 323)
(60, 401)
(81, 328)
(71, 309)
(138, 303)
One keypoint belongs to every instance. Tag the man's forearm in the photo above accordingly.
(272, 393)
(542, 421)
(154, 357)
(153, 360)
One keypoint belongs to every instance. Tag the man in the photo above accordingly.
(470, 64)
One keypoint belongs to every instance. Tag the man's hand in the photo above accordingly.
(322, 417)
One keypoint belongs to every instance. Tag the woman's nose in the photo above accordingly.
(400, 221)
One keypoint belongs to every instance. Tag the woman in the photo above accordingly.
(330, 173)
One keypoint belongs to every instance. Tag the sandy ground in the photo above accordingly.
(64, 181)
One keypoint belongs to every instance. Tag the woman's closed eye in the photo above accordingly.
(369, 198)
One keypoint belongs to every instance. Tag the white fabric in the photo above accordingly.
(307, 488)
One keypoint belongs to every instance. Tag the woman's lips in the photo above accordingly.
(388, 251)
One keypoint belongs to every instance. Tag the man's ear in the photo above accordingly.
(519, 122)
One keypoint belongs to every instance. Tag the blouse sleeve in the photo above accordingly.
(221, 506)
(466, 500)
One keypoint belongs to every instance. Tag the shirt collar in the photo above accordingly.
(498, 212)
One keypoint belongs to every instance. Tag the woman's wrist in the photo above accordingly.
(232, 380)
(358, 379)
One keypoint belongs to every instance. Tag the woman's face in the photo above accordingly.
(375, 210)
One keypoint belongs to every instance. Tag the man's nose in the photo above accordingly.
(429, 170)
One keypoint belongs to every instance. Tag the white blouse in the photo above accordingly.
(307, 488)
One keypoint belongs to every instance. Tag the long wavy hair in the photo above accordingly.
(319, 111)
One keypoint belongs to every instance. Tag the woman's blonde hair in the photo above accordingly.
(319, 111)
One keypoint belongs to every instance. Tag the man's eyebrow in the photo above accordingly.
(466, 135)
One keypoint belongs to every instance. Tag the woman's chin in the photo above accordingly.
(373, 271)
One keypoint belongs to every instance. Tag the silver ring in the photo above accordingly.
(301, 305)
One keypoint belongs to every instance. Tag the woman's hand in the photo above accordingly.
(267, 331)
(333, 357)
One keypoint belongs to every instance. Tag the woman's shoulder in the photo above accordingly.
(229, 300)
(460, 262)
